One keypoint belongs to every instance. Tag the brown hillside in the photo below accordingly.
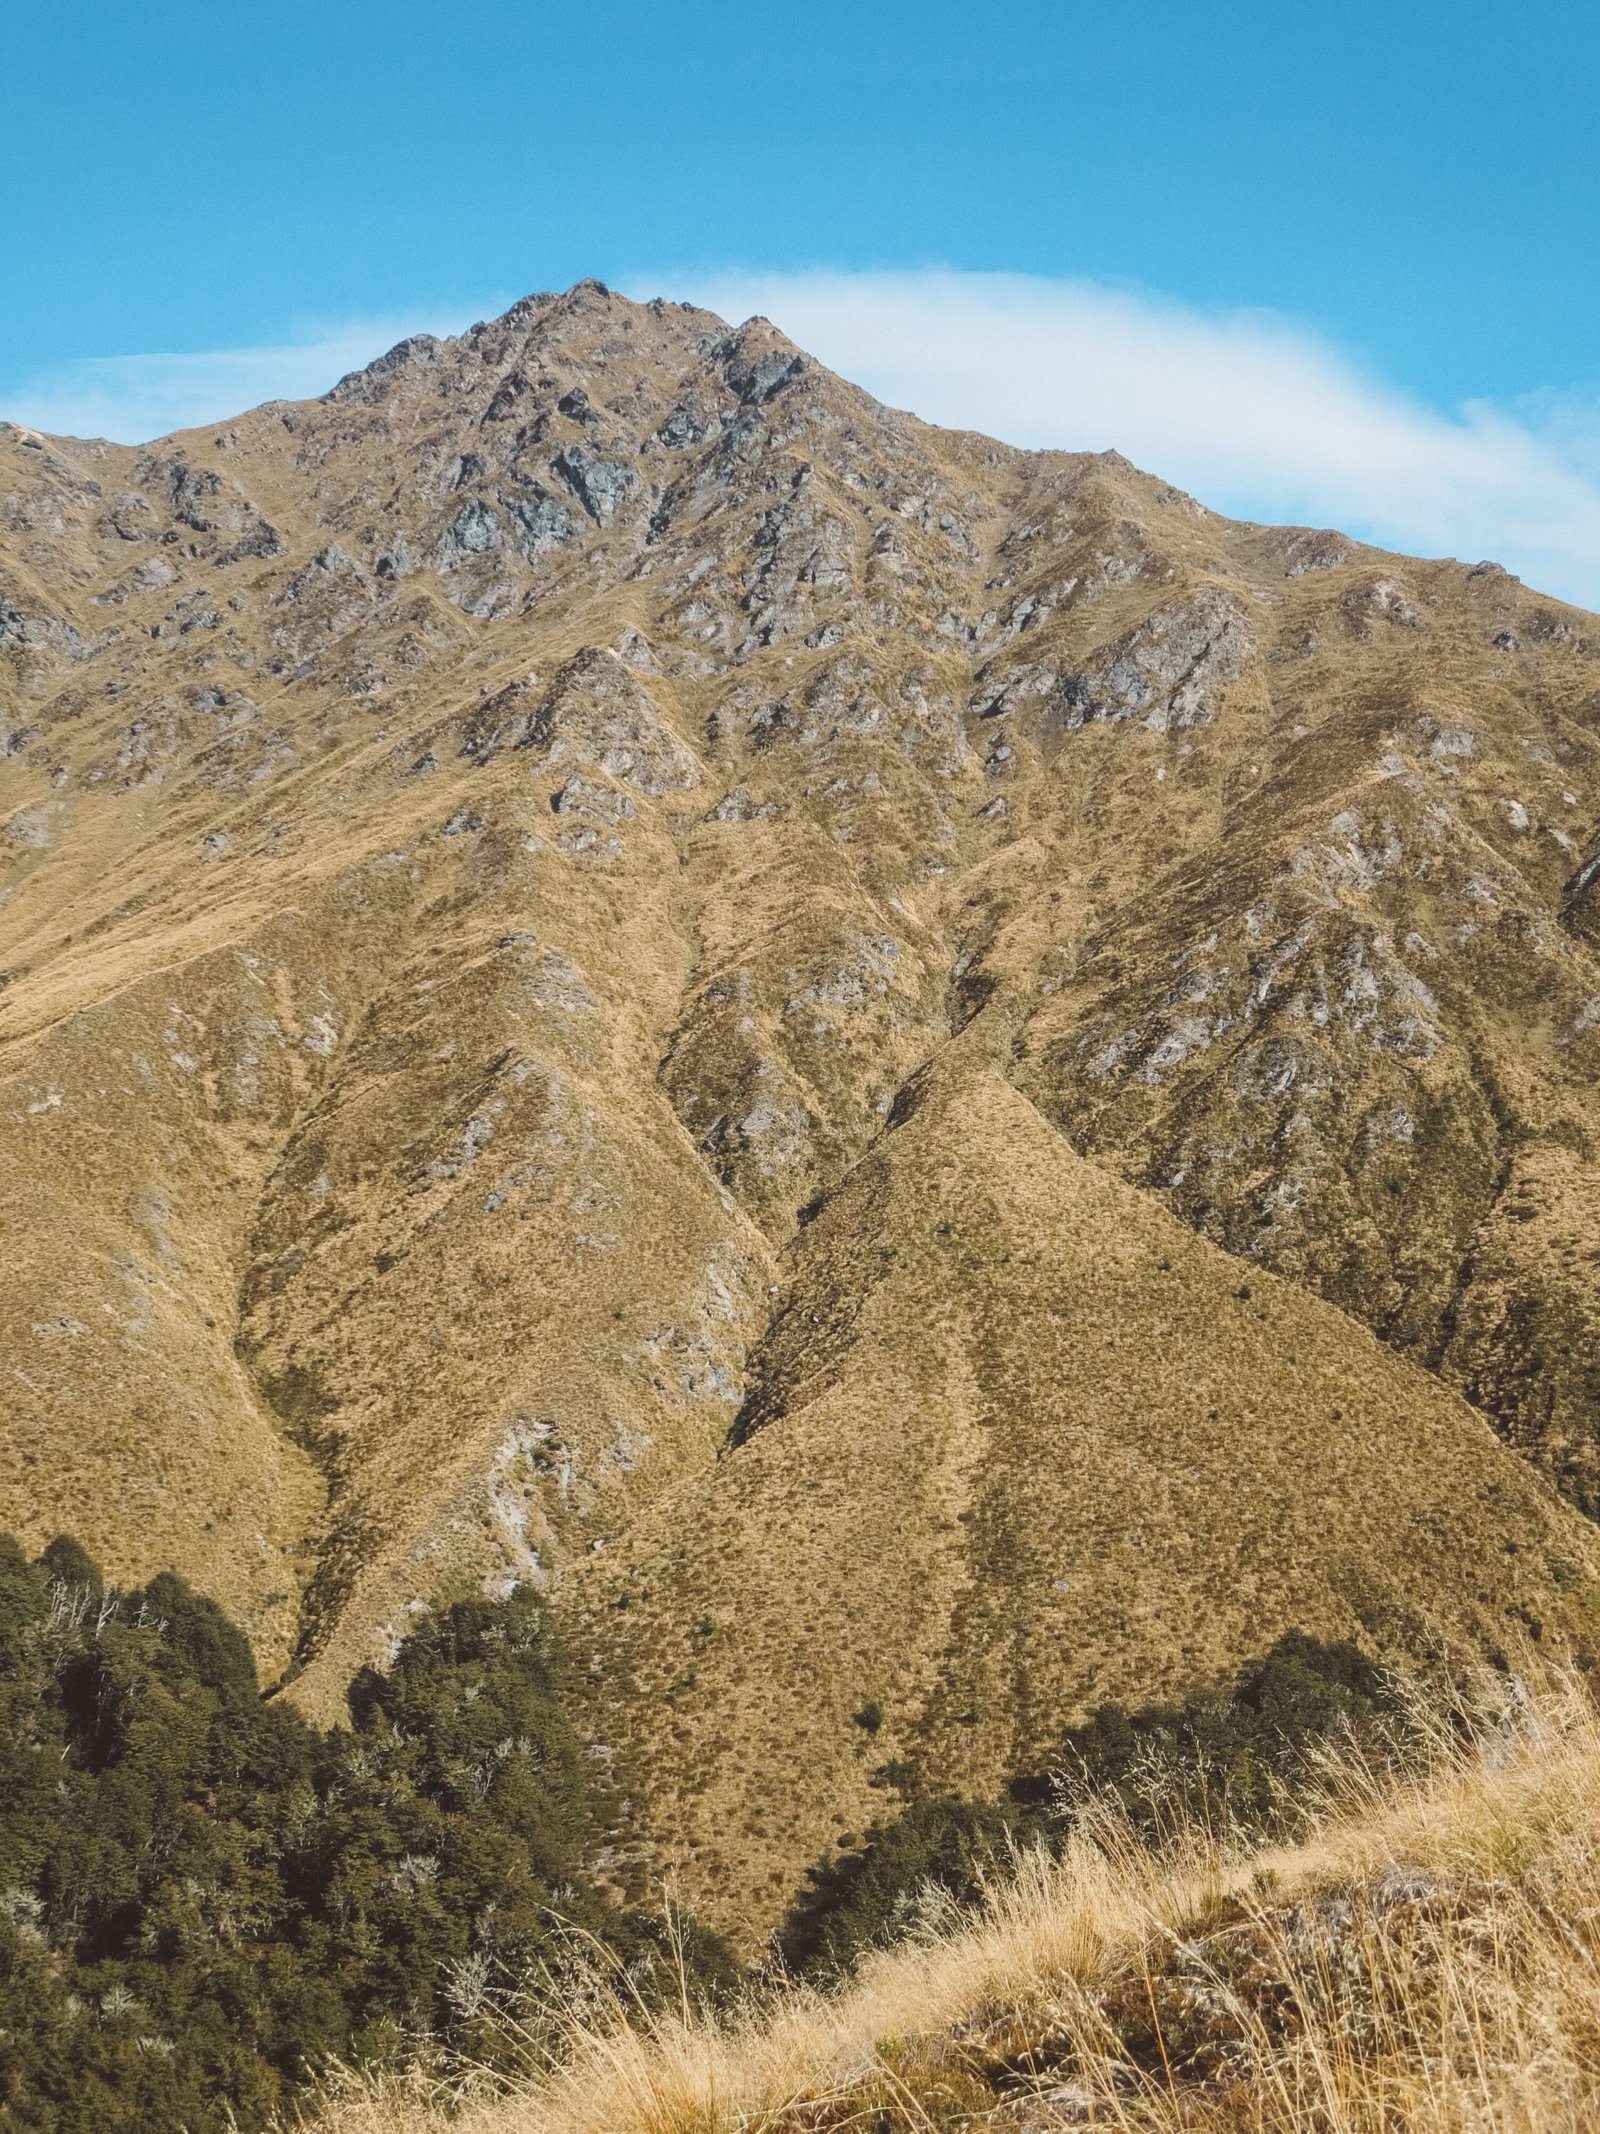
(1019, 1443)
(486, 851)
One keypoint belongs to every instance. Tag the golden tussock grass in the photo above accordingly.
(1426, 1959)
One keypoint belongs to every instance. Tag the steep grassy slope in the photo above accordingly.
(1018, 1443)
(487, 852)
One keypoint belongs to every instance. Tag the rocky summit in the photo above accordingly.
(926, 1082)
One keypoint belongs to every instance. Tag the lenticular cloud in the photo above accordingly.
(1255, 417)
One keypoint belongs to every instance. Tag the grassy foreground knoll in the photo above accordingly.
(1425, 1958)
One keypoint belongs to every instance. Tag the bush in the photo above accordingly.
(859, 1900)
(1235, 1758)
(203, 1897)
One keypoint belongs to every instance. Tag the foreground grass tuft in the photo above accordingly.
(1428, 1959)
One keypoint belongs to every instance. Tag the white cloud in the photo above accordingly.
(1252, 415)
(130, 399)
(1256, 418)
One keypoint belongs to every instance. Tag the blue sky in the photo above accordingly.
(1327, 261)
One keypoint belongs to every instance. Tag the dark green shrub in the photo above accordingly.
(859, 1900)
(1235, 1758)
(203, 1897)
(67, 1563)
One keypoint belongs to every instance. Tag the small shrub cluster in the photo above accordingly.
(203, 1898)
(1236, 1760)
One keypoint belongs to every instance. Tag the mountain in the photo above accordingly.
(914, 1075)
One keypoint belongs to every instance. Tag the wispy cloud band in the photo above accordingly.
(1254, 416)
(1251, 415)
(130, 399)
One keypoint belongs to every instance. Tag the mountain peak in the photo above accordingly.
(536, 883)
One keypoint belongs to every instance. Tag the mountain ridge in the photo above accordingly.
(495, 856)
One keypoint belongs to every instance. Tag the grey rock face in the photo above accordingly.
(685, 426)
(330, 562)
(43, 630)
(633, 648)
(1172, 670)
(508, 397)
(128, 519)
(146, 577)
(473, 531)
(399, 561)
(1386, 600)
(194, 494)
(540, 522)
(802, 553)
(261, 542)
(601, 486)
(757, 379)
(738, 806)
(508, 719)
(199, 498)
(1315, 552)
(592, 802)
(322, 601)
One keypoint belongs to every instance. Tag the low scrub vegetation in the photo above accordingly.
(1304, 1904)
(204, 1899)
(1423, 1959)
(1248, 1760)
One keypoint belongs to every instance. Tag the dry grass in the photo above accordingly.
(1427, 1960)
(1030, 1446)
(401, 1147)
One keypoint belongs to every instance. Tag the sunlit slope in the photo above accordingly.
(485, 854)
(375, 1256)
(1018, 1442)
